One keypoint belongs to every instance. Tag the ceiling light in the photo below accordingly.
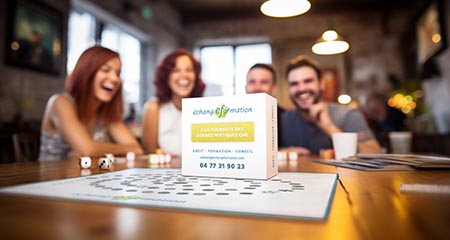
(330, 43)
(285, 8)
(344, 99)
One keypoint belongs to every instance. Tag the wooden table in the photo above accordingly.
(366, 205)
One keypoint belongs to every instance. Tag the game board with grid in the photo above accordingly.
(292, 195)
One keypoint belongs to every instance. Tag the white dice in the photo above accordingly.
(160, 158)
(153, 158)
(130, 156)
(104, 163)
(293, 156)
(282, 156)
(110, 156)
(85, 162)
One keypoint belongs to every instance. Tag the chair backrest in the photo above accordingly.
(26, 146)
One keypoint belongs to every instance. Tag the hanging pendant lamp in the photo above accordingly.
(330, 43)
(285, 8)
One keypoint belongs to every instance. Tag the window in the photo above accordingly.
(129, 49)
(81, 34)
(224, 68)
(217, 70)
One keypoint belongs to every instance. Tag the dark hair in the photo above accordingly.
(301, 61)
(161, 82)
(268, 67)
(80, 86)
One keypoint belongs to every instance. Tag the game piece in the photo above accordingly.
(85, 162)
(104, 163)
(282, 156)
(158, 151)
(130, 156)
(110, 156)
(153, 158)
(161, 158)
(167, 158)
(293, 156)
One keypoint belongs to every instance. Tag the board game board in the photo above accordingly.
(292, 195)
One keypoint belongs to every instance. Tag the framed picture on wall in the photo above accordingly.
(430, 30)
(34, 36)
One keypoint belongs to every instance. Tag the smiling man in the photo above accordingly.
(261, 78)
(309, 127)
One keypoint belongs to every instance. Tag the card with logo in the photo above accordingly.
(230, 136)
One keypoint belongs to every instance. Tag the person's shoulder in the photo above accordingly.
(337, 106)
(152, 104)
(340, 108)
(61, 100)
(61, 104)
(153, 101)
(339, 111)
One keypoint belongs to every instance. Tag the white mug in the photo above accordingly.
(345, 144)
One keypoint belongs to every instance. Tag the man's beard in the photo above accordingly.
(317, 98)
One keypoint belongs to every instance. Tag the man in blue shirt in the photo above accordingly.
(309, 127)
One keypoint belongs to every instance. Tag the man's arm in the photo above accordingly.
(353, 122)
(369, 146)
(319, 114)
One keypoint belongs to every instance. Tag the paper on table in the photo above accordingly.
(415, 160)
(292, 195)
(366, 165)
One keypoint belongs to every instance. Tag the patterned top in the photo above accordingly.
(54, 147)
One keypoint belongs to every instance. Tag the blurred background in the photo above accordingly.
(398, 49)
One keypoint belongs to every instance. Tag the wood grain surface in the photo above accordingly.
(366, 205)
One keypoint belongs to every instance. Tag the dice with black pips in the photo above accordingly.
(85, 162)
(110, 156)
(104, 163)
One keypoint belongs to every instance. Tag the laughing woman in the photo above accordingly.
(177, 77)
(86, 120)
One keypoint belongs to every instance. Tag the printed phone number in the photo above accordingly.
(223, 165)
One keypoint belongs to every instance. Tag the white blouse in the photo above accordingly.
(169, 130)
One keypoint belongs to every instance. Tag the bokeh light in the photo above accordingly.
(406, 103)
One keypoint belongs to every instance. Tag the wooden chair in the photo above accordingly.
(26, 146)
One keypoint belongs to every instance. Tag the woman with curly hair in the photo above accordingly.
(86, 120)
(177, 77)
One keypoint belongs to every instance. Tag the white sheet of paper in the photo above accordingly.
(292, 195)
